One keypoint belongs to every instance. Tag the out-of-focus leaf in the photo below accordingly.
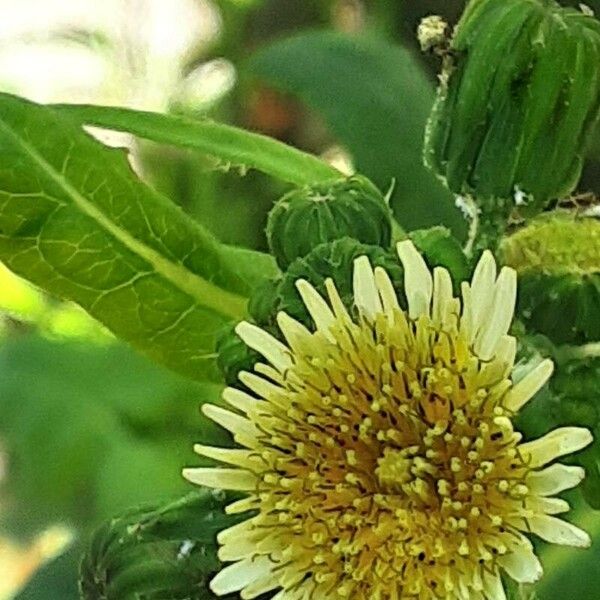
(89, 430)
(57, 579)
(376, 100)
(232, 146)
(76, 221)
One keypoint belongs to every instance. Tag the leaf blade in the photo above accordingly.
(75, 221)
(225, 142)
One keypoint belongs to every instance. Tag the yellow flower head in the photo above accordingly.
(379, 453)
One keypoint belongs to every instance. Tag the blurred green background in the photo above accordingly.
(87, 426)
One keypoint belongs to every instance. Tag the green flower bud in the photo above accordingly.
(333, 260)
(558, 261)
(234, 355)
(158, 553)
(519, 95)
(325, 212)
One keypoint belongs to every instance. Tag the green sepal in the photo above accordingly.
(262, 306)
(333, 260)
(324, 212)
(158, 553)
(234, 356)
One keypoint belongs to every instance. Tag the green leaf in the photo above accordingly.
(228, 144)
(376, 100)
(91, 429)
(76, 221)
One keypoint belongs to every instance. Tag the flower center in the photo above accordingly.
(398, 471)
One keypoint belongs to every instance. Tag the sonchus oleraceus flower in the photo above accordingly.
(378, 452)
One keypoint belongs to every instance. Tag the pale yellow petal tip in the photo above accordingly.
(242, 327)
(362, 262)
(405, 246)
(208, 409)
(282, 316)
(418, 280)
(219, 586)
(586, 540)
(487, 258)
(585, 436)
(302, 284)
(188, 474)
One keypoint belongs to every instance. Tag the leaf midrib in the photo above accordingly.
(202, 291)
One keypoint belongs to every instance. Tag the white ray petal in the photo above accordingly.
(272, 349)
(297, 593)
(494, 325)
(259, 385)
(295, 333)
(366, 296)
(557, 531)
(238, 575)
(483, 285)
(522, 564)
(337, 304)
(492, 585)
(240, 530)
(240, 400)
(558, 442)
(467, 319)
(529, 386)
(554, 479)
(239, 426)
(270, 372)
(387, 293)
(443, 298)
(242, 547)
(243, 505)
(418, 282)
(245, 459)
(317, 308)
(226, 479)
(506, 350)
(548, 506)
(261, 585)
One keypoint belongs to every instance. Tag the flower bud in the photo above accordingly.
(325, 212)
(558, 261)
(519, 94)
(333, 260)
(157, 552)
